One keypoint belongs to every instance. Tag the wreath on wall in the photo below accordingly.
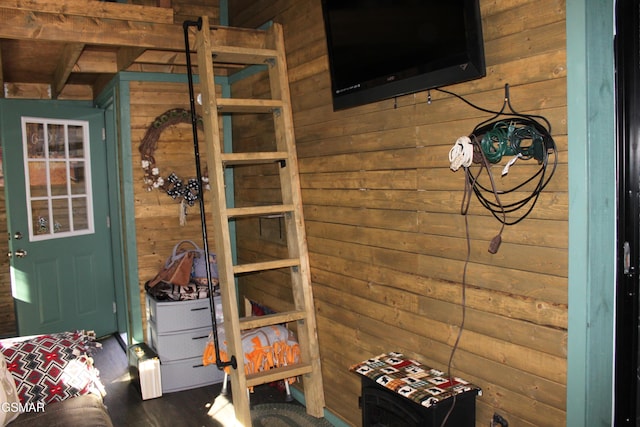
(187, 191)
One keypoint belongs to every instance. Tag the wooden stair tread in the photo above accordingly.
(259, 210)
(253, 158)
(241, 55)
(245, 105)
(271, 319)
(265, 265)
(276, 374)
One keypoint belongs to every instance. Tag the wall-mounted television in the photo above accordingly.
(380, 49)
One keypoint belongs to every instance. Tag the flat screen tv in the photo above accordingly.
(380, 49)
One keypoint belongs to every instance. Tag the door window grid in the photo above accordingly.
(57, 177)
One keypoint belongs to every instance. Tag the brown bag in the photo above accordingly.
(176, 270)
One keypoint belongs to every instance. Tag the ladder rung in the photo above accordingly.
(253, 158)
(275, 374)
(271, 319)
(241, 55)
(265, 265)
(259, 210)
(242, 105)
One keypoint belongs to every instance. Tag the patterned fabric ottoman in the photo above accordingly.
(424, 393)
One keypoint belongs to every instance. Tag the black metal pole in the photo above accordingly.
(203, 220)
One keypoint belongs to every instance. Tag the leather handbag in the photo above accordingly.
(199, 272)
(177, 268)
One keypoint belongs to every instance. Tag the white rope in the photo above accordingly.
(461, 154)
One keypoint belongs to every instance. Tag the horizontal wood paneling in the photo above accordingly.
(386, 236)
(157, 215)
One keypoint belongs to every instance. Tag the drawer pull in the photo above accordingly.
(200, 308)
(199, 338)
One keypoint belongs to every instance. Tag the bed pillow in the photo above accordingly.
(9, 402)
(54, 367)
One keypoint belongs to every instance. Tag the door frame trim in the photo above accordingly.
(592, 212)
(115, 98)
(628, 268)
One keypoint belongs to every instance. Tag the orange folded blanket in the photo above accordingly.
(264, 348)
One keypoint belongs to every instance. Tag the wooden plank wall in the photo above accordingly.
(186, 9)
(192, 9)
(157, 215)
(386, 238)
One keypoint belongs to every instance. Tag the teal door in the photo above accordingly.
(55, 177)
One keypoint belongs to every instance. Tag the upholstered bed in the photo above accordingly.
(49, 380)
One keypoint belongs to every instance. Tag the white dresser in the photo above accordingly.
(178, 331)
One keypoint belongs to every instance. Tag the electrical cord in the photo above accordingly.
(543, 174)
(464, 208)
(505, 137)
(461, 154)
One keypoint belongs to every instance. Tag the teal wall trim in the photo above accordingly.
(227, 138)
(154, 77)
(129, 223)
(107, 101)
(224, 12)
(128, 212)
(118, 95)
(592, 212)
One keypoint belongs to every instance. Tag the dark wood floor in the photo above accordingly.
(198, 407)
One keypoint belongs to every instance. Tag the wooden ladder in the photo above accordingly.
(297, 262)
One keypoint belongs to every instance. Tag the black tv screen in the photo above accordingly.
(380, 49)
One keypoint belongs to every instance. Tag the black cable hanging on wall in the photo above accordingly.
(506, 133)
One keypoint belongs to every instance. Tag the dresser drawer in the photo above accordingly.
(179, 345)
(188, 373)
(171, 316)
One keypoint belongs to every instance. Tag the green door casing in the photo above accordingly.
(57, 216)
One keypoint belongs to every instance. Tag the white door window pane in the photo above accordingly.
(80, 217)
(78, 185)
(57, 177)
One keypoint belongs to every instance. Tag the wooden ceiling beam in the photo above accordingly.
(60, 27)
(28, 90)
(29, 25)
(127, 56)
(160, 57)
(67, 62)
(95, 9)
(97, 61)
(163, 57)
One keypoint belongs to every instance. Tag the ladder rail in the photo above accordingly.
(290, 208)
(296, 240)
(203, 221)
(226, 275)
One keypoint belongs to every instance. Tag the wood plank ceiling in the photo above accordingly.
(70, 49)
